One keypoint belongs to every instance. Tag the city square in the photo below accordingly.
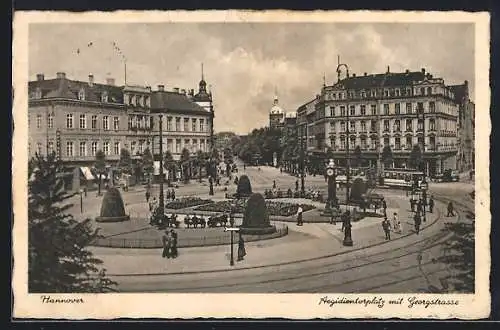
(359, 183)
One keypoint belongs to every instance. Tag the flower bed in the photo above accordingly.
(274, 208)
(187, 202)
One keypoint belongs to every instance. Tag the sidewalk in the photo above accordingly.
(315, 241)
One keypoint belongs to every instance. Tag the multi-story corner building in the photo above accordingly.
(466, 125)
(399, 110)
(75, 119)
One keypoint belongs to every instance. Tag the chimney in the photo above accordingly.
(161, 88)
(110, 81)
(354, 75)
(365, 74)
(423, 70)
(407, 71)
(183, 91)
(91, 80)
(466, 83)
(61, 75)
(191, 92)
(388, 69)
(40, 77)
(176, 90)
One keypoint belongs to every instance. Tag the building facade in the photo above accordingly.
(398, 110)
(466, 126)
(75, 119)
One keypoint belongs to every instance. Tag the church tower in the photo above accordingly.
(204, 100)
(276, 114)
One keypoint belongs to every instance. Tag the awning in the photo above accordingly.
(87, 173)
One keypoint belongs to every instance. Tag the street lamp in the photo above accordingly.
(81, 200)
(232, 229)
(161, 201)
(302, 174)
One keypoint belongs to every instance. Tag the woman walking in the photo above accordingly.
(167, 244)
(241, 248)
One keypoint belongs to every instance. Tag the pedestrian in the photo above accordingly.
(419, 207)
(470, 175)
(386, 226)
(168, 195)
(345, 219)
(296, 185)
(299, 216)
(281, 170)
(274, 184)
(173, 194)
(412, 204)
(395, 220)
(399, 228)
(167, 243)
(241, 248)
(148, 194)
(384, 206)
(244, 167)
(451, 212)
(417, 220)
(431, 204)
(173, 246)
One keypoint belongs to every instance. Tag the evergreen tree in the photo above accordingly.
(147, 164)
(387, 156)
(200, 160)
(58, 261)
(415, 159)
(185, 163)
(100, 166)
(125, 163)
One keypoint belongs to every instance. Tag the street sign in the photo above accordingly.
(231, 229)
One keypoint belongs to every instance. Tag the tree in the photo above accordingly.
(357, 157)
(125, 163)
(168, 165)
(387, 156)
(244, 187)
(100, 166)
(58, 261)
(415, 158)
(147, 164)
(185, 162)
(200, 160)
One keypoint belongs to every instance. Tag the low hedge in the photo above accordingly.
(183, 203)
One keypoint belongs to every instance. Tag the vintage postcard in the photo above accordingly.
(233, 164)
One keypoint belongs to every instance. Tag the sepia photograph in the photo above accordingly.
(329, 157)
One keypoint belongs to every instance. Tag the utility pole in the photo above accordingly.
(161, 201)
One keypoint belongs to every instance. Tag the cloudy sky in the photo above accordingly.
(244, 62)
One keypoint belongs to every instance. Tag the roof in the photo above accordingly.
(202, 97)
(460, 92)
(173, 101)
(69, 89)
(382, 80)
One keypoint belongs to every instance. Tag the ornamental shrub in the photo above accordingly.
(357, 190)
(112, 208)
(256, 215)
(244, 187)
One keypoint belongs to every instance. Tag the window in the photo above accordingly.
(363, 110)
(432, 124)
(177, 124)
(69, 148)
(105, 148)
(342, 126)
(373, 108)
(363, 126)
(352, 110)
(386, 93)
(83, 149)
(38, 121)
(420, 125)
(81, 95)
(386, 141)
(195, 145)
(409, 142)
(50, 146)
(50, 120)
(432, 142)
(169, 145)
(94, 148)
(386, 125)
(169, 123)
(397, 143)
(342, 143)
(432, 106)
(202, 145)
(202, 125)
(408, 108)
(332, 126)
(94, 122)
(352, 126)
(386, 109)
(422, 91)
(146, 101)
(105, 123)
(363, 143)
(420, 141)
(374, 143)
(141, 147)
(420, 107)
(83, 121)
(193, 125)
(332, 111)
(342, 111)
(352, 142)
(186, 124)
(429, 91)
(69, 120)
(104, 97)
(133, 147)
(373, 126)
(178, 145)
(398, 92)
(116, 123)
(129, 122)
(397, 108)
(363, 94)
(117, 148)
(39, 148)
(409, 125)
(187, 144)
(397, 125)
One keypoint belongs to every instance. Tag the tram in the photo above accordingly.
(355, 173)
(402, 178)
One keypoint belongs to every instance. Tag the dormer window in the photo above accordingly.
(104, 97)
(81, 95)
(38, 93)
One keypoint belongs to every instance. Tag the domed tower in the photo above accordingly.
(204, 100)
(276, 115)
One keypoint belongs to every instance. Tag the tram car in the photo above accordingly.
(402, 178)
(356, 173)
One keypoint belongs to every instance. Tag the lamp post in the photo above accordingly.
(302, 179)
(348, 162)
(161, 197)
(81, 200)
(232, 229)
(423, 185)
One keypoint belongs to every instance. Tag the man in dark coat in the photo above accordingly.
(173, 194)
(167, 244)
(148, 194)
(451, 212)
(386, 226)
(296, 185)
(241, 248)
(173, 247)
(384, 206)
(431, 204)
(417, 220)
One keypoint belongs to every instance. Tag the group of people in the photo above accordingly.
(153, 203)
(169, 240)
(396, 226)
